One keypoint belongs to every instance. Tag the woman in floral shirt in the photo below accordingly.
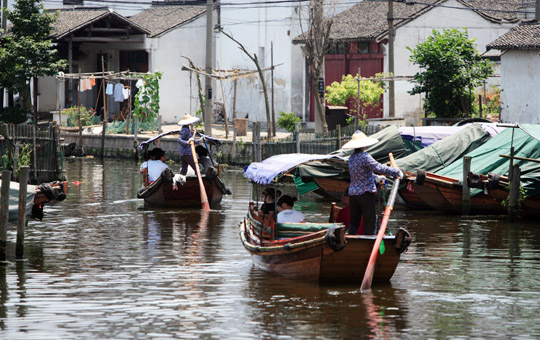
(362, 190)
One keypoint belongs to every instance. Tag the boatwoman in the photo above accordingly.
(185, 148)
(362, 190)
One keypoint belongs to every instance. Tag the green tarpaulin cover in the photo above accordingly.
(446, 151)
(389, 141)
(486, 159)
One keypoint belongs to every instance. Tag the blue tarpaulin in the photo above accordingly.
(264, 172)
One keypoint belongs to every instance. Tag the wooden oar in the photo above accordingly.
(204, 198)
(370, 269)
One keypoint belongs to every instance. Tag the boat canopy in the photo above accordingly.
(146, 143)
(266, 171)
(446, 151)
(486, 158)
(389, 141)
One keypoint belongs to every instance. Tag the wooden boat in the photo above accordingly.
(446, 194)
(497, 187)
(162, 192)
(317, 251)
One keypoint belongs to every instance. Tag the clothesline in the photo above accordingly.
(123, 75)
(226, 74)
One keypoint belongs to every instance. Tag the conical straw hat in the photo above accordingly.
(360, 140)
(188, 119)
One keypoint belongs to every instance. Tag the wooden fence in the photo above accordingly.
(303, 142)
(35, 146)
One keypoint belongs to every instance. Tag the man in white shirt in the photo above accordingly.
(286, 212)
(155, 164)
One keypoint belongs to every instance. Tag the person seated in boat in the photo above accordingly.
(185, 137)
(286, 213)
(155, 164)
(269, 200)
(344, 214)
(362, 190)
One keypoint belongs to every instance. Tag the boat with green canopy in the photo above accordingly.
(314, 250)
(442, 189)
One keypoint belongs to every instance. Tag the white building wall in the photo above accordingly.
(178, 96)
(258, 28)
(520, 71)
(417, 31)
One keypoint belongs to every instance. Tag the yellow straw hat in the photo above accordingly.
(360, 140)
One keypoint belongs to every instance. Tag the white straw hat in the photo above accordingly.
(360, 140)
(188, 119)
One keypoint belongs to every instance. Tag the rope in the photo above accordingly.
(527, 132)
(438, 155)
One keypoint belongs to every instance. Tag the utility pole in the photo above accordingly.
(391, 89)
(208, 116)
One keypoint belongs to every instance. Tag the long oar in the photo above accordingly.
(370, 269)
(204, 198)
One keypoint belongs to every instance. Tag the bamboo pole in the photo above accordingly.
(4, 211)
(21, 221)
(79, 114)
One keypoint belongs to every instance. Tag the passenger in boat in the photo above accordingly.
(286, 213)
(362, 190)
(155, 164)
(269, 200)
(185, 148)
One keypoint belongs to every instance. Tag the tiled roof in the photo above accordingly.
(367, 20)
(71, 20)
(524, 37)
(161, 19)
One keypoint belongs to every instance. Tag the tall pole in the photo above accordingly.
(391, 90)
(208, 119)
(537, 12)
(272, 72)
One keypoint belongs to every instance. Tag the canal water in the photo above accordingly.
(102, 266)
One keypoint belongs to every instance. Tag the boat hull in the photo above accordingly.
(187, 195)
(311, 257)
(446, 194)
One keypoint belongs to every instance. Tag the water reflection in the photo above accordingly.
(102, 265)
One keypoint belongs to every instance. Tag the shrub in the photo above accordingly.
(87, 116)
(288, 121)
(14, 115)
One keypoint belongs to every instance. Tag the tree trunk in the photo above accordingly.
(265, 93)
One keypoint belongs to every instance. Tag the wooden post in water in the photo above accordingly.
(21, 221)
(4, 211)
(297, 136)
(513, 194)
(466, 196)
(103, 88)
(233, 151)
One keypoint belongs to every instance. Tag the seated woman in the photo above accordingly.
(345, 214)
(286, 212)
(268, 198)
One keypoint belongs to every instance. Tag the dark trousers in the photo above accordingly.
(187, 160)
(362, 205)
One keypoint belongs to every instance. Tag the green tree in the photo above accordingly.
(27, 50)
(451, 69)
(370, 92)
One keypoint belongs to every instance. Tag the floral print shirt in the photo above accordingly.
(185, 135)
(362, 168)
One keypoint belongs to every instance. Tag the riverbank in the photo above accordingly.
(235, 150)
